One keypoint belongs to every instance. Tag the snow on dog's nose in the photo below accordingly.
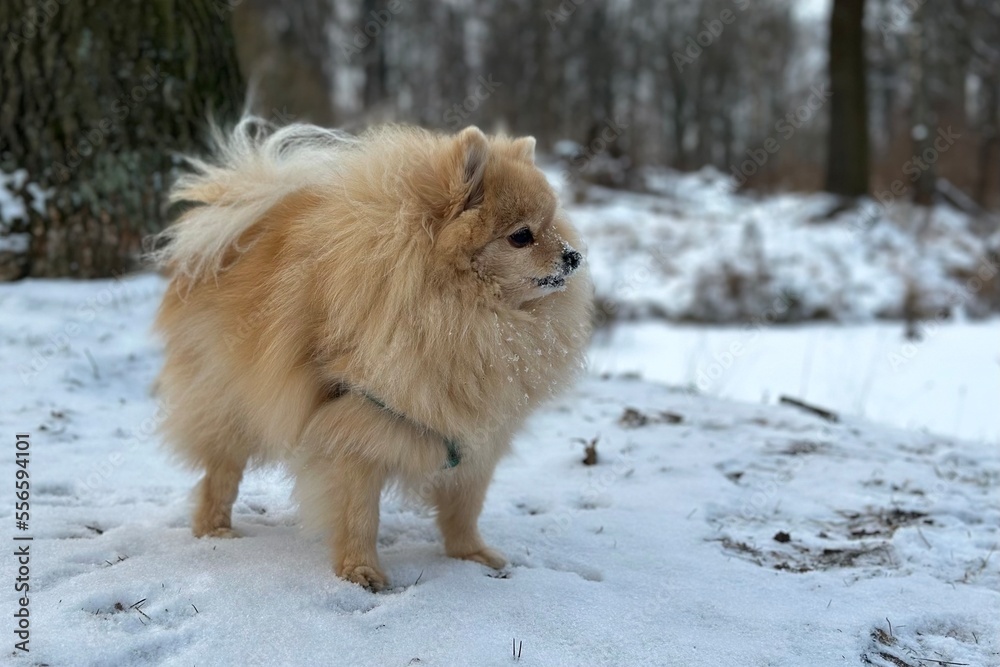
(570, 259)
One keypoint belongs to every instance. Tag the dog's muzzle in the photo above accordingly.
(571, 260)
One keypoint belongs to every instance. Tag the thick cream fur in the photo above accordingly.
(309, 260)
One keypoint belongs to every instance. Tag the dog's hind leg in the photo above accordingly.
(357, 488)
(341, 492)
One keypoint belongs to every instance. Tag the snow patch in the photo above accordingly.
(706, 531)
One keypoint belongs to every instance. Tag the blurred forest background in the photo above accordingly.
(847, 96)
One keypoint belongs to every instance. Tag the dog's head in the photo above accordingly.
(493, 213)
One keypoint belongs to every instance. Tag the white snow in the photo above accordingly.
(948, 382)
(693, 249)
(11, 206)
(662, 554)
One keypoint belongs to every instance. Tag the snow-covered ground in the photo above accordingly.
(948, 382)
(695, 250)
(692, 249)
(709, 533)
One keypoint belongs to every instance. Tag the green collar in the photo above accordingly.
(454, 455)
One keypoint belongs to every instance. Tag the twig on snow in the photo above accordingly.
(802, 405)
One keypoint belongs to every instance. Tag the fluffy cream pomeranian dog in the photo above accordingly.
(367, 310)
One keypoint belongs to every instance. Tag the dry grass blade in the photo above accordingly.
(93, 364)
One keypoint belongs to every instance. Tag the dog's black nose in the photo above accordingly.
(571, 259)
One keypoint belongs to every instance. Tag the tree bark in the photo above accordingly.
(96, 98)
(920, 113)
(989, 141)
(284, 50)
(847, 168)
(375, 65)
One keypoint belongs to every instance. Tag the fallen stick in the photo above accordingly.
(802, 405)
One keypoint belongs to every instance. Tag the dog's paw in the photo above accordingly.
(224, 533)
(365, 576)
(487, 556)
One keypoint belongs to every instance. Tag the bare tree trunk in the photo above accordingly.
(678, 91)
(989, 142)
(374, 57)
(454, 84)
(847, 149)
(920, 119)
(94, 100)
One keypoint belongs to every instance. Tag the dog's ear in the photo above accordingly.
(524, 149)
(453, 182)
(473, 150)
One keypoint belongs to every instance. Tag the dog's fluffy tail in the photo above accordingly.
(251, 169)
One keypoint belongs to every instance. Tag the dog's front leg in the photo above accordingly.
(459, 499)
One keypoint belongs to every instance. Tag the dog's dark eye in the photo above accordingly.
(521, 238)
